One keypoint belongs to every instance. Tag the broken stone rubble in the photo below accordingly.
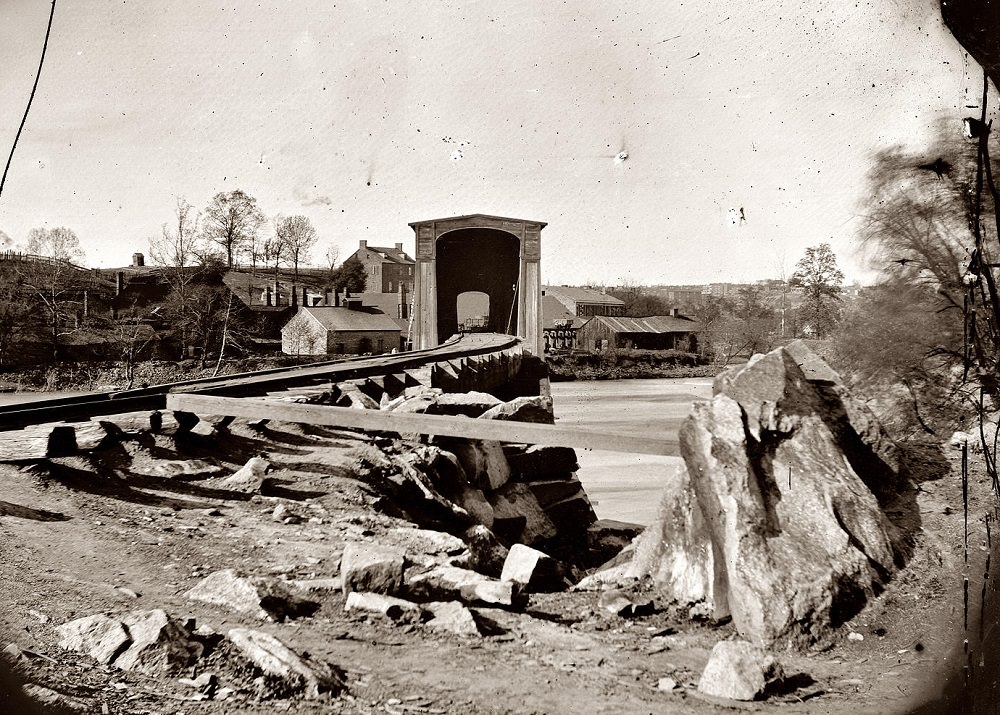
(150, 642)
(274, 658)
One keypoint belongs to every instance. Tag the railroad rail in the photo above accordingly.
(470, 361)
(260, 383)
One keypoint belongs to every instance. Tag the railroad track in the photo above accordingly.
(260, 383)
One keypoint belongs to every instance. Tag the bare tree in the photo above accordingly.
(331, 256)
(276, 250)
(298, 236)
(179, 251)
(51, 275)
(231, 221)
(132, 335)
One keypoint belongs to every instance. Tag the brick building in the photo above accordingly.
(385, 268)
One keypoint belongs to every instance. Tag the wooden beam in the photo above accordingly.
(76, 410)
(408, 423)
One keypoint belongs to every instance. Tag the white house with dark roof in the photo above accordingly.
(330, 330)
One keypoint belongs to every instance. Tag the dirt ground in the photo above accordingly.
(78, 539)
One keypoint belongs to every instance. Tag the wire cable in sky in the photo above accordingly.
(45, 45)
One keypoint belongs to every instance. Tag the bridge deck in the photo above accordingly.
(250, 384)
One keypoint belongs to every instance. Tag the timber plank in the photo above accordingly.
(498, 430)
(78, 411)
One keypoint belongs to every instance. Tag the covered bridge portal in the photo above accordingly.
(484, 254)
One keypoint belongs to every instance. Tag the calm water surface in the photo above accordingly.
(627, 486)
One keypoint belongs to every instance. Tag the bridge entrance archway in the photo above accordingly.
(490, 254)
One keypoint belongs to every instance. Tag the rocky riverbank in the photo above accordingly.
(628, 364)
(258, 566)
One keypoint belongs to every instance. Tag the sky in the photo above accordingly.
(662, 143)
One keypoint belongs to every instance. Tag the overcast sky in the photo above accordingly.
(365, 116)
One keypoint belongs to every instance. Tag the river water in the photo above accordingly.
(627, 486)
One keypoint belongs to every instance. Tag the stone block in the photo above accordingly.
(515, 501)
(160, 645)
(739, 670)
(533, 570)
(523, 409)
(454, 583)
(371, 567)
(389, 606)
(483, 462)
(248, 478)
(99, 636)
(537, 461)
(452, 617)
(274, 658)
(264, 598)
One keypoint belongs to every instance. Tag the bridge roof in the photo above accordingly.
(468, 217)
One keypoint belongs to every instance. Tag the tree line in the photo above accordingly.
(53, 309)
(756, 317)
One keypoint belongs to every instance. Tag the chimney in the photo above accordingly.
(327, 297)
(399, 247)
(336, 298)
(294, 296)
(362, 244)
(674, 312)
(268, 296)
(119, 282)
(305, 296)
(403, 308)
(138, 260)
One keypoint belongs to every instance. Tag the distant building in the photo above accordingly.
(331, 330)
(585, 302)
(559, 326)
(385, 268)
(658, 332)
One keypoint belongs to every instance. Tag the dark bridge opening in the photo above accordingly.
(478, 259)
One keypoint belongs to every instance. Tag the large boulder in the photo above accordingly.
(798, 540)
